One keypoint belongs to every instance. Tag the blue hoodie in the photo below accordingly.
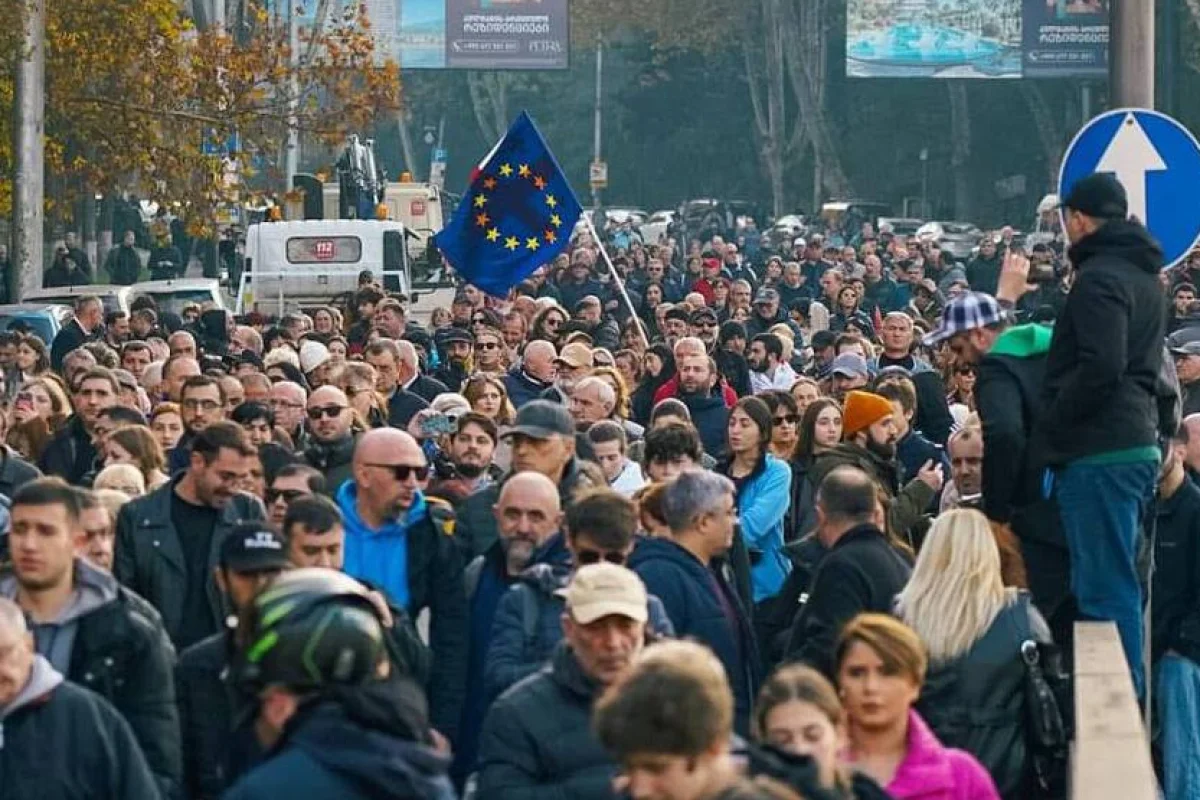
(379, 557)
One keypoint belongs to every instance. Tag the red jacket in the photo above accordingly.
(671, 389)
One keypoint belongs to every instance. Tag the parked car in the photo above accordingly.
(785, 229)
(902, 226)
(956, 238)
(43, 319)
(114, 298)
(173, 295)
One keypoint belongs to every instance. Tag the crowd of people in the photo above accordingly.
(815, 527)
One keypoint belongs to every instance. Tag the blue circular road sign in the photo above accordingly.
(1156, 159)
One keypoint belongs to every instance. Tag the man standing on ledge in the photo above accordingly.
(1101, 416)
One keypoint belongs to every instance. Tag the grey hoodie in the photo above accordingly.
(42, 678)
(55, 639)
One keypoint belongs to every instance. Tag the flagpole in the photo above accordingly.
(617, 278)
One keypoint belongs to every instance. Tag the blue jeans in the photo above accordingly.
(1102, 508)
(1178, 702)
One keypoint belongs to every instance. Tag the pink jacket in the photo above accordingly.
(931, 771)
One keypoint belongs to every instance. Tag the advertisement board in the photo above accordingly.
(976, 38)
(461, 34)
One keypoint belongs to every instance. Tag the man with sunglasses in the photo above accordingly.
(489, 351)
(292, 482)
(601, 527)
(331, 442)
(402, 542)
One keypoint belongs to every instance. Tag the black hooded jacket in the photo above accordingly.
(1103, 365)
(367, 742)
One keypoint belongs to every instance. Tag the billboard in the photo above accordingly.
(462, 34)
(976, 38)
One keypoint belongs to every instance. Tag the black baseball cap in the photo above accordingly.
(1098, 195)
(702, 314)
(453, 333)
(253, 549)
(542, 419)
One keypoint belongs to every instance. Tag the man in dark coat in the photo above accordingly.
(933, 413)
(1185, 349)
(344, 725)
(58, 734)
(123, 262)
(543, 437)
(331, 446)
(689, 573)
(384, 356)
(1101, 393)
(537, 740)
(92, 630)
(534, 375)
(71, 454)
(983, 271)
(168, 541)
(861, 572)
(83, 328)
(1010, 362)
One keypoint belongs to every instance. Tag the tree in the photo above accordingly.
(138, 99)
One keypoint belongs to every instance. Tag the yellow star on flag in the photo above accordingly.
(539, 182)
(550, 201)
(506, 170)
(482, 220)
(556, 220)
(512, 243)
(523, 171)
(551, 237)
(480, 200)
(532, 244)
(493, 234)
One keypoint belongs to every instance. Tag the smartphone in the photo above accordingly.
(435, 425)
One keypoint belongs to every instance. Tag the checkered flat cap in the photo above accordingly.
(967, 312)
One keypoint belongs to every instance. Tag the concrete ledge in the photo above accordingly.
(1111, 755)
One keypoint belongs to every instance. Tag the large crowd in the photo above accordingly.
(814, 524)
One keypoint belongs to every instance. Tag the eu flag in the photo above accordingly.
(517, 214)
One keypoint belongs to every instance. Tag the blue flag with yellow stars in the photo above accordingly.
(516, 215)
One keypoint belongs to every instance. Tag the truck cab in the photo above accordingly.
(287, 265)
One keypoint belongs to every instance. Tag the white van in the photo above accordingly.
(288, 265)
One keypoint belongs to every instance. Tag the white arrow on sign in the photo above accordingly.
(1129, 156)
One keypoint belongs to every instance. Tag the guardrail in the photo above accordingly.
(1111, 756)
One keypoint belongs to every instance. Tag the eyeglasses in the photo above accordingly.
(586, 557)
(487, 345)
(791, 419)
(201, 405)
(401, 471)
(288, 495)
(325, 411)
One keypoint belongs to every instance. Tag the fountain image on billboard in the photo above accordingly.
(933, 38)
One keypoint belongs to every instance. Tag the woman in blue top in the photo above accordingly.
(763, 494)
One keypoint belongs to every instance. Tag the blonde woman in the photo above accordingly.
(123, 477)
(357, 380)
(973, 629)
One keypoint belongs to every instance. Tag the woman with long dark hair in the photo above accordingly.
(547, 324)
(763, 493)
(658, 367)
(652, 297)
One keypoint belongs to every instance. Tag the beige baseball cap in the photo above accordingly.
(602, 590)
(576, 354)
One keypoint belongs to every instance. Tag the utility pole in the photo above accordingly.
(596, 159)
(29, 151)
(1131, 54)
(293, 135)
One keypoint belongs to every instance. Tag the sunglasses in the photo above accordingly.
(791, 419)
(586, 557)
(487, 346)
(401, 471)
(288, 495)
(325, 411)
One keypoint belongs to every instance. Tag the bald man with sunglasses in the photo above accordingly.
(401, 541)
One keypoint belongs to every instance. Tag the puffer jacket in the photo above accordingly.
(762, 501)
(537, 741)
(906, 514)
(932, 771)
(977, 701)
(334, 460)
(688, 589)
(62, 742)
(120, 651)
(528, 624)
